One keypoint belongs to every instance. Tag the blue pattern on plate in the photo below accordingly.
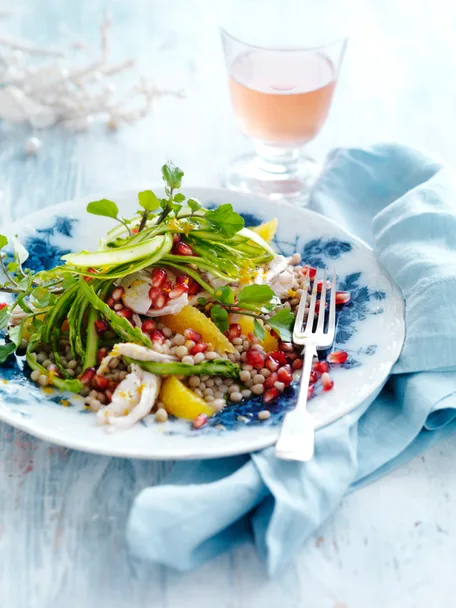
(45, 253)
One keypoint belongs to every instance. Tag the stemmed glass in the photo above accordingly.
(282, 79)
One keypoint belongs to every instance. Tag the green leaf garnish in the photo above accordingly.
(6, 350)
(258, 330)
(194, 205)
(220, 317)
(4, 317)
(23, 304)
(255, 294)
(172, 175)
(15, 333)
(20, 252)
(225, 220)
(148, 200)
(202, 301)
(68, 280)
(282, 323)
(179, 198)
(225, 295)
(3, 241)
(42, 296)
(103, 207)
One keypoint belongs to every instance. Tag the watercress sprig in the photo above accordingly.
(252, 301)
(107, 208)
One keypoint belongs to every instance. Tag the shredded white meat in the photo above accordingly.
(282, 283)
(141, 353)
(132, 400)
(136, 295)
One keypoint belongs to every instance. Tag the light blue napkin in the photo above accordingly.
(404, 204)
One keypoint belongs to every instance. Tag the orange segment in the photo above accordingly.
(267, 230)
(269, 343)
(182, 402)
(191, 318)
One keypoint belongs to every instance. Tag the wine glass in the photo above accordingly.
(283, 59)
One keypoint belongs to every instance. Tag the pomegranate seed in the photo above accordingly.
(167, 287)
(100, 382)
(109, 393)
(159, 302)
(110, 302)
(310, 392)
(271, 363)
(199, 421)
(191, 334)
(320, 367)
(117, 293)
(271, 380)
(284, 374)
(176, 238)
(234, 331)
(101, 326)
(313, 378)
(101, 354)
(297, 364)
(154, 292)
(158, 277)
(3, 305)
(125, 312)
(135, 230)
(254, 358)
(88, 375)
(312, 271)
(320, 285)
(201, 347)
(148, 326)
(88, 278)
(270, 395)
(178, 291)
(182, 249)
(318, 304)
(327, 382)
(342, 297)
(182, 279)
(280, 357)
(193, 287)
(286, 347)
(292, 356)
(338, 356)
(157, 336)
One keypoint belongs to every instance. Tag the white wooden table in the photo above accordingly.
(62, 513)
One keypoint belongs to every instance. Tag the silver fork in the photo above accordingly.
(296, 439)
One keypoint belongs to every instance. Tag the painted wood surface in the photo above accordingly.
(62, 513)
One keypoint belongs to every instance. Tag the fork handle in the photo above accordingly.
(295, 441)
(309, 352)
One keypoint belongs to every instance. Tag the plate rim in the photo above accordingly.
(210, 452)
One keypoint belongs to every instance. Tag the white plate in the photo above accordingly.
(370, 329)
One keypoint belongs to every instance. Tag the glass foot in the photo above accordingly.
(250, 173)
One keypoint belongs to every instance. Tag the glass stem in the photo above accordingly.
(280, 161)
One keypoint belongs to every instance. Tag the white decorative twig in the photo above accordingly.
(55, 90)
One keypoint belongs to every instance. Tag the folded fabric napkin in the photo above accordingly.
(404, 204)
